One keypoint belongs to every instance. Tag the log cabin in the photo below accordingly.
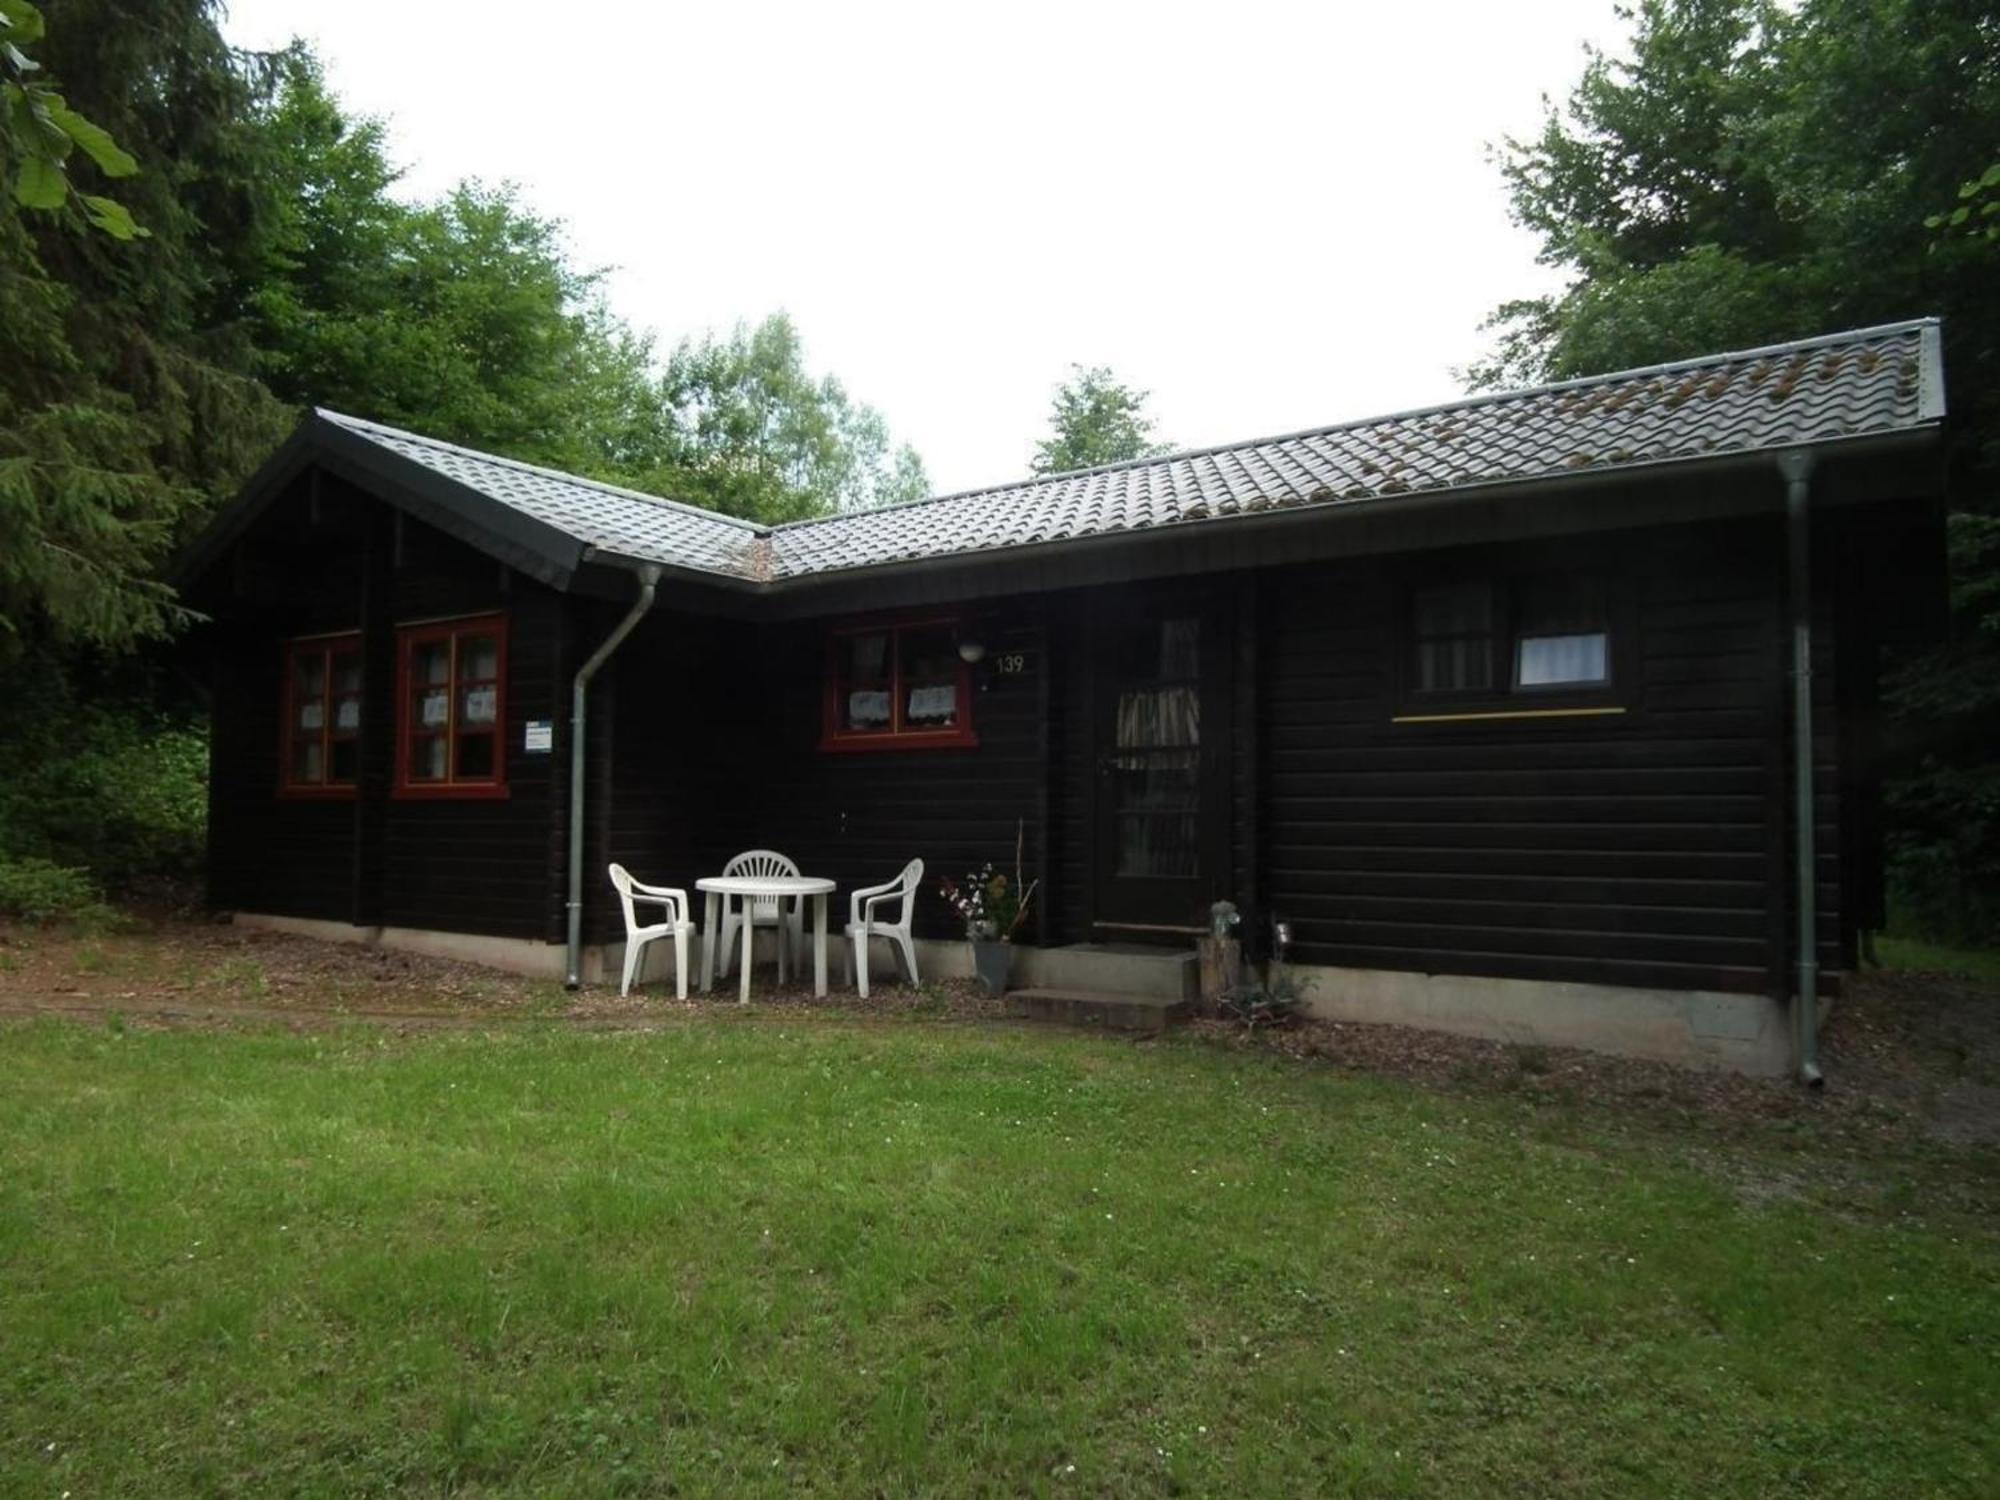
(1549, 715)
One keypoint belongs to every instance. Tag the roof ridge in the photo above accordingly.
(1494, 398)
(343, 419)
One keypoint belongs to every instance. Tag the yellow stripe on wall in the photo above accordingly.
(1507, 713)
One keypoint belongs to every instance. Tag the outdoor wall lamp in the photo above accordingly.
(1281, 937)
(972, 653)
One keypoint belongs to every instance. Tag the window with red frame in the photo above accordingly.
(899, 686)
(322, 728)
(453, 708)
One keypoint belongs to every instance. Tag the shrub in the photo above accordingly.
(1944, 854)
(40, 890)
(101, 776)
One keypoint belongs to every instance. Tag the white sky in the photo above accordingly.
(1270, 216)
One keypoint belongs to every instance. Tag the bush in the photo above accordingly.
(100, 778)
(1944, 854)
(40, 890)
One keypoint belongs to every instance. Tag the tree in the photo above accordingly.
(467, 319)
(123, 394)
(41, 132)
(757, 435)
(1978, 208)
(1095, 420)
(1739, 181)
(464, 318)
(1758, 172)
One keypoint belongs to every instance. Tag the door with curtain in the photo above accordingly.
(1161, 819)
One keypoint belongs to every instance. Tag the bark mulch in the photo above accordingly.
(1908, 1057)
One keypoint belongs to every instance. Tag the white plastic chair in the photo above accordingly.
(786, 914)
(867, 918)
(631, 894)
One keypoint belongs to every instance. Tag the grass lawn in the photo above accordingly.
(776, 1254)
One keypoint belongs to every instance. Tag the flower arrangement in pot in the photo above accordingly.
(993, 906)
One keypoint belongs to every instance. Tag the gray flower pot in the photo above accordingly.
(993, 961)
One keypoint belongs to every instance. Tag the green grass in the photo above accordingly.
(1919, 956)
(781, 1255)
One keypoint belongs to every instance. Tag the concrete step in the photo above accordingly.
(1108, 1010)
(1111, 968)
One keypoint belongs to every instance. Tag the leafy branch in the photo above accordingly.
(39, 131)
(1978, 210)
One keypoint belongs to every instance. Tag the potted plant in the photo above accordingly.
(993, 906)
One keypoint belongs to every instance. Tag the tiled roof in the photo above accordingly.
(626, 522)
(1868, 382)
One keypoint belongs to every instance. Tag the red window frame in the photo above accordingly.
(895, 736)
(410, 730)
(328, 648)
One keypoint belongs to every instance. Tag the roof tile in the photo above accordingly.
(1875, 380)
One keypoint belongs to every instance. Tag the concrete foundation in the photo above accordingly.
(602, 962)
(513, 955)
(1694, 1028)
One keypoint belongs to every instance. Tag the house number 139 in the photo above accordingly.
(1012, 664)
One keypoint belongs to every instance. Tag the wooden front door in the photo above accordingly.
(1161, 813)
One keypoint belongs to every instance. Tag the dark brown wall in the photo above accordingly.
(487, 867)
(717, 730)
(1639, 849)
(1650, 848)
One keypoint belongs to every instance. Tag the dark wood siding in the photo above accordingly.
(717, 728)
(301, 572)
(344, 561)
(1647, 848)
(1072, 771)
(1635, 849)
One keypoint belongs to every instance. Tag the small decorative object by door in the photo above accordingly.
(1220, 956)
(993, 905)
(993, 962)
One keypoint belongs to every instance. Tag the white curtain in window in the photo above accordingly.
(867, 708)
(930, 704)
(1557, 660)
(1159, 716)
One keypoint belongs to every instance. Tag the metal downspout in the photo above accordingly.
(649, 582)
(1796, 467)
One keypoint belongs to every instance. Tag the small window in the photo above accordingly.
(899, 686)
(1560, 637)
(452, 717)
(322, 726)
(1499, 638)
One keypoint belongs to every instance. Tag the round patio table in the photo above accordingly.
(750, 888)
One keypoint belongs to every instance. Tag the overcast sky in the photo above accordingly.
(1270, 216)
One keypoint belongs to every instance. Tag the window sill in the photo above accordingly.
(1489, 713)
(474, 792)
(316, 793)
(949, 739)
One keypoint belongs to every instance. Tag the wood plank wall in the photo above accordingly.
(1648, 848)
(468, 866)
(718, 728)
(1639, 849)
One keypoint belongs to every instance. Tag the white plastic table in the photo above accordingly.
(750, 887)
